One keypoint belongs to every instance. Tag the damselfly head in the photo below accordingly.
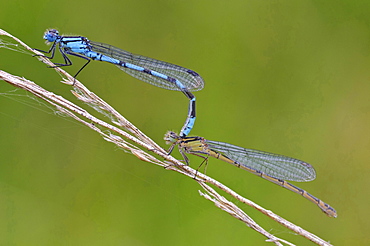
(51, 35)
(170, 137)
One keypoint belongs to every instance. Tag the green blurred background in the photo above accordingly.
(288, 77)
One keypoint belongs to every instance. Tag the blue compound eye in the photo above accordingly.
(51, 35)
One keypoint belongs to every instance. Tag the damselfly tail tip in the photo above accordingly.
(328, 210)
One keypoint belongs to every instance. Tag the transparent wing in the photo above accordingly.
(278, 166)
(190, 79)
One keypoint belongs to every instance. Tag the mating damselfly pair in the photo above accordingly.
(272, 167)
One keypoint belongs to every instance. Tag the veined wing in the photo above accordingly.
(190, 79)
(278, 166)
